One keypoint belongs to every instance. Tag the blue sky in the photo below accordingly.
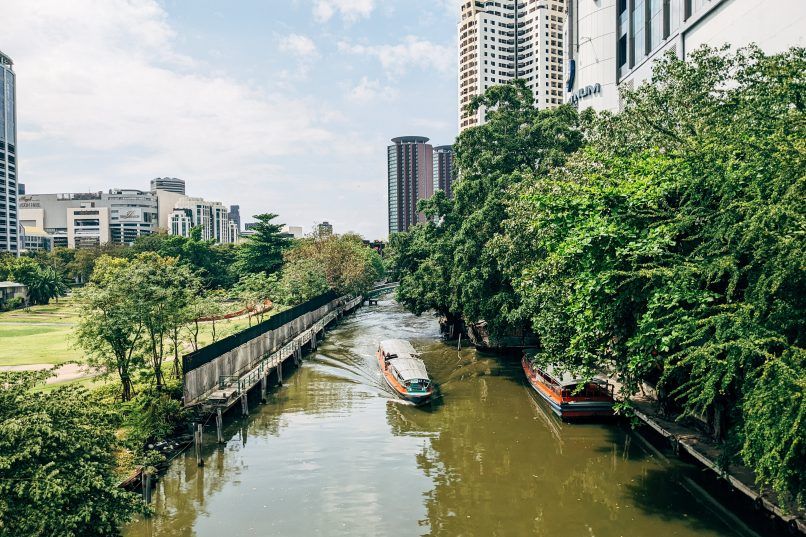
(279, 106)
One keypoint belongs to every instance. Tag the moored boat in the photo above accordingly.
(404, 371)
(567, 396)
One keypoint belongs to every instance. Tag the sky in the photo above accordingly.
(282, 106)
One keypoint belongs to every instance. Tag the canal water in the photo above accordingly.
(334, 453)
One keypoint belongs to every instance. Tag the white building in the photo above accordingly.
(503, 40)
(613, 44)
(122, 215)
(211, 216)
(295, 231)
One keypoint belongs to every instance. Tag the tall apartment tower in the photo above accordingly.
(443, 169)
(504, 40)
(235, 215)
(411, 178)
(9, 225)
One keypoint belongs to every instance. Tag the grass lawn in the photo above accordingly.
(38, 335)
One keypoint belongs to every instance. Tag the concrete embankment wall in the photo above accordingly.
(237, 354)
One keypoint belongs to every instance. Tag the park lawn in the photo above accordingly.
(65, 311)
(37, 344)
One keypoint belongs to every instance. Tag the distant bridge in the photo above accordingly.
(373, 294)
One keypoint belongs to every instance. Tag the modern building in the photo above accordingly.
(35, 239)
(9, 225)
(210, 216)
(410, 179)
(294, 231)
(325, 229)
(443, 169)
(89, 219)
(169, 184)
(613, 44)
(235, 215)
(500, 41)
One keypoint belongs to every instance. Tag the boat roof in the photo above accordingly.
(565, 378)
(397, 347)
(409, 368)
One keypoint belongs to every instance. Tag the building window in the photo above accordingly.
(638, 33)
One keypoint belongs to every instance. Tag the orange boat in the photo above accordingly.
(565, 396)
(404, 371)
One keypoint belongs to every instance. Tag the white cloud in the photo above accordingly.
(349, 10)
(104, 77)
(299, 45)
(372, 90)
(412, 52)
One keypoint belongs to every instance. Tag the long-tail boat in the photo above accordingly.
(570, 397)
(404, 371)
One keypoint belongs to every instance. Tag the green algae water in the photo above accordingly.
(334, 453)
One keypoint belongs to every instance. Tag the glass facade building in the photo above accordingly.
(443, 169)
(410, 169)
(9, 226)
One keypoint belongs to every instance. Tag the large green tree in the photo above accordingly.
(672, 249)
(57, 463)
(263, 250)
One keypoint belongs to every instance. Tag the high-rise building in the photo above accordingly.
(210, 216)
(613, 44)
(411, 178)
(325, 229)
(9, 226)
(443, 169)
(504, 40)
(168, 184)
(235, 215)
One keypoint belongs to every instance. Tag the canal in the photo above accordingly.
(334, 453)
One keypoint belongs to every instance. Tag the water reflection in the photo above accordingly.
(334, 453)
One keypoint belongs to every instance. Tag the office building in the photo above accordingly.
(504, 40)
(89, 219)
(325, 229)
(168, 184)
(211, 216)
(410, 179)
(235, 215)
(35, 239)
(443, 169)
(613, 44)
(294, 231)
(9, 225)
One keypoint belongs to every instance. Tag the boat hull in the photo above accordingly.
(568, 407)
(399, 389)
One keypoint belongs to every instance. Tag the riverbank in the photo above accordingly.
(696, 445)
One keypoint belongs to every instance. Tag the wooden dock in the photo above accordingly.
(707, 452)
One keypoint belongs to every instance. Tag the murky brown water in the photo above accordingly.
(333, 453)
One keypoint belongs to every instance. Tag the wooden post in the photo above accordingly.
(219, 425)
(244, 404)
(146, 481)
(199, 440)
(263, 389)
(280, 373)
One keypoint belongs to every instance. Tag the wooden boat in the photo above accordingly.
(564, 395)
(404, 371)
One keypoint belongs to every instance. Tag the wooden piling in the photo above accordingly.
(280, 373)
(244, 404)
(198, 442)
(263, 384)
(219, 425)
(146, 481)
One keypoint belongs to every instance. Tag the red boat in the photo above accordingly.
(565, 396)
(404, 371)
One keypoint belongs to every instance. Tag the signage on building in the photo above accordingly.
(27, 202)
(587, 91)
(130, 215)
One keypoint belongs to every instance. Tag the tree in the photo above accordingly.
(57, 462)
(349, 266)
(255, 290)
(263, 251)
(112, 321)
(44, 283)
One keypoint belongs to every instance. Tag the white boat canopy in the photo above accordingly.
(397, 348)
(409, 368)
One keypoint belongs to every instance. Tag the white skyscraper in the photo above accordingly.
(503, 40)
